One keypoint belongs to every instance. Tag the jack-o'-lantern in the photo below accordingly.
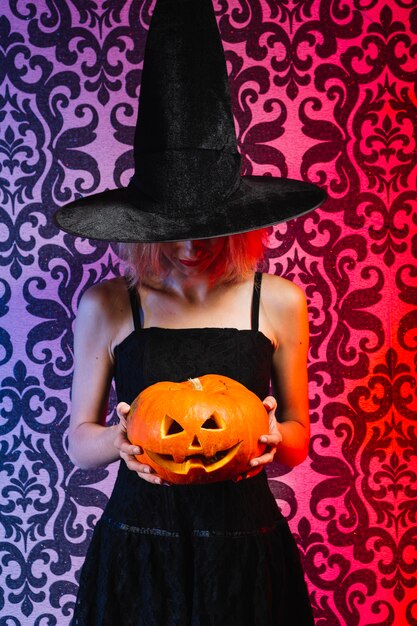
(202, 430)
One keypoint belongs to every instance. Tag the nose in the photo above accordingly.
(192, 247)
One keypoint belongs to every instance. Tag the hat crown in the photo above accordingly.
(208, 177)
(185, 122)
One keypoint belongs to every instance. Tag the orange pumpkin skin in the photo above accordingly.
(202, 430)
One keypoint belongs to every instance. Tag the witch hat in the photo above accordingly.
(187, 182)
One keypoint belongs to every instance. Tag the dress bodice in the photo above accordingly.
(150, 355)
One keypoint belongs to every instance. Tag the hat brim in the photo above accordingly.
(122, 215)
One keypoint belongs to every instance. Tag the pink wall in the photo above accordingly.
(321, 90)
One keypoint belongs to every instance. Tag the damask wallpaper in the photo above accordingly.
(323, 90)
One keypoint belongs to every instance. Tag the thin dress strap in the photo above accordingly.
(137, 312)
(256, 296)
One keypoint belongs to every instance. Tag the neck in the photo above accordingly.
(191, 289)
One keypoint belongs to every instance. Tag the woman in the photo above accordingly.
(189, 555)
(165, 555)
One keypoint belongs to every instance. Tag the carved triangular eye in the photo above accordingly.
(170, 427)
(214, 422)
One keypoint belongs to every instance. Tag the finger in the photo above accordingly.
(272, 440)
(153, 479)
(144, 471)
(135, 465)
(123, 444)
(122, 410)
(247, 474)
(132, 450)
(252, 472)
(268, 457)
(270, 404)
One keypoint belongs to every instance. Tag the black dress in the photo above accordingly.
(192, 555)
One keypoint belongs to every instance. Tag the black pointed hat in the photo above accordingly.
(187, 182)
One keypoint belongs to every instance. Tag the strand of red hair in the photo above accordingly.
(240, 256)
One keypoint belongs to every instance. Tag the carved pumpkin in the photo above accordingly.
(203, 430)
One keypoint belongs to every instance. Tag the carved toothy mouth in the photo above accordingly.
(208, 464)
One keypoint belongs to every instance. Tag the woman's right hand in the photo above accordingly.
(128, 451)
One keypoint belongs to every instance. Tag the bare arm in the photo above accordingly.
(289, 438)
(289, 378)
(103, 319)
(91, 444)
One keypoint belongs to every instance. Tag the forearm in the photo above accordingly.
(91, 445)
(293, 448)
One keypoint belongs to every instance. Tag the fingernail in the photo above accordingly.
(157, 481)
(263, 439)
(137, 450)
(254, 463)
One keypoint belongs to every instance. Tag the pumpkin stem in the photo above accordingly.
(197, 386)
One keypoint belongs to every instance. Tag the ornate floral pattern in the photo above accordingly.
(322, 90)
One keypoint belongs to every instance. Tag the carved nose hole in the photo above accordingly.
(195, 443)
(214, 422)
(170, 427)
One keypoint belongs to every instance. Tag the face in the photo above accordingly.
(193, 256)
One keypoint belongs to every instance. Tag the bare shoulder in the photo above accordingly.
(282, 295)
(104, 298)
(284, 311)
(104, 312)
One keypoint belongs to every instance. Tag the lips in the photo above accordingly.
(191, 262)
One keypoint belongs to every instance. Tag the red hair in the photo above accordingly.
(239, 257)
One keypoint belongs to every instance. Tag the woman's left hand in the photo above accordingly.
(272, 439)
